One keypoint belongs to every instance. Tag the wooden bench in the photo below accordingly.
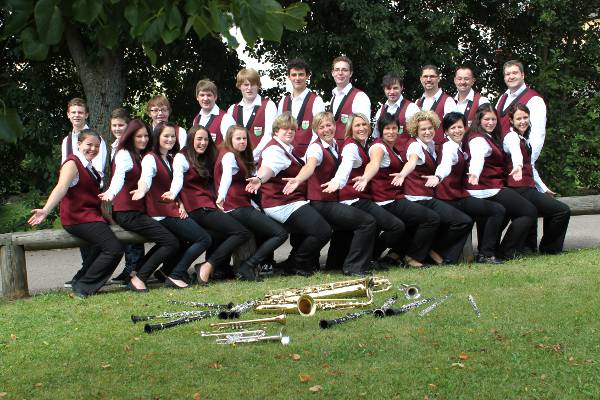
(13, 271)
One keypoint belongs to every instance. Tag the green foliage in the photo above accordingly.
(15, 212)
(536, 339)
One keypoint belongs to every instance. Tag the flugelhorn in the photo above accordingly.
(411, 292)
(219, 326)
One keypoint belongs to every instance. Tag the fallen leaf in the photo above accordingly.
(588, 361)
(196, 396)
(295, 357)
(3, 394)
(304, 377)
(543, 377)
(556, 347)
(214, 365)
(571, 358)
(361, 345)
(136, 338)
(13, 336)
(425, 397)
(388, 337)
(150, 355)
(38, 385)
(126, 348)
(333, 372)
(71, 295)
(540, 346)
(325, 366)
(421, 330)
(458, 365)
(105, 366)
(316, 388)
(432, 386)
(463, 356)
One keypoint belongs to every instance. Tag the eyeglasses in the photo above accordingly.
(155, 110)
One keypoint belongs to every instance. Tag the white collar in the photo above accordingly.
(257, 101)
(302, 95)
(326, 145)
(86, 163)
(115, 144)
(288, 147)
(343, 92)
(82, 129)
(214, 111)
(397, 103)
(426, 147)
(435, 96)
(517, 92)
(470, 96)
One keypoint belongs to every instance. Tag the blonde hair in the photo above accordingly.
(412, 125)
(159, 100)
(247, 74)
(206, 85)
(285, 120)
(351, 121)
(320, 117)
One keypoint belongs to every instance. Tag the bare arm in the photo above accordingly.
(306, 172)
(67, 173)
(262, 176)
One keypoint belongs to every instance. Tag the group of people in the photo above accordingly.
(404, 193)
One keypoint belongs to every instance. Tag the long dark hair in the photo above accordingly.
(511, 113)
(247, 165)
(156, 138)
(127, 139)
(205, 162)
(476, 124)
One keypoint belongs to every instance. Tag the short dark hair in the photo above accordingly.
(385, 120)
(430, 66)
(451, 118)
(298, 63)
(390, 78)
(465, 66)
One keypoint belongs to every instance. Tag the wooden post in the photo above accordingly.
(467, 256)
(13, 273)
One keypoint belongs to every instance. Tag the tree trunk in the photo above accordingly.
(103, 80)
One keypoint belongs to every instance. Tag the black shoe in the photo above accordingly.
(159, 276)
(246, 272)
(223, 273)
(358, 274)
(171, 284)
(265, 269)
(298, 272)
(488, 260)
(134, 289)
(123, 277)
(68, 284)
(381, 265)
(79, 295)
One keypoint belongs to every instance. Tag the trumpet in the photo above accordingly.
(411, 292)
(280, 319)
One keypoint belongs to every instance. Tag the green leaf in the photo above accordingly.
(174, 19)
(200, 26)
(32, 47)
(153, 33)
(169, 36)
(11, 126)
(294, 16)
(86, 11)
(132, 14)
(108, 36)
(20, 13)
(48, 19)
(150, 53)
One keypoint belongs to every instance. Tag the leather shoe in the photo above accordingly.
(134, 289)
(201, 282)
(358, 274)
(171, 284)
(488, 260)
(245, 272)
(298, 271)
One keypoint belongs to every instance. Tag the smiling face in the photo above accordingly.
(326, 130)
(430, 80)
(167, 139)
(513, 77)
(298, 78)
(360, 130)
(488, 122)
(393, 92)
(89, 147)
(425, 131)
(159, 113)
(464, 80)
(77, 115)
(456, 131)
(140, 139)
(117, 127)
(520, 121)
(390, 134)
(201, 141)
(249, 91)
(207, 100)
(286, 135)
(341, 73)
(239, 140)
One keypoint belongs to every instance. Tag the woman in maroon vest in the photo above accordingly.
(486, 177)
(556, 214)
(354, 160)
(418, 178)
(322, 160)
(234, 165)
(451, 169)
(156, 176)
(77, 191)
(130, 214)
(192, 182)
(278, 161)
(386, 159)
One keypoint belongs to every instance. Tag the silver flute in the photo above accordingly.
(380, 312)
(407, 307)
(474, 305)
(434, 305)
(202, 304)
(177, 314)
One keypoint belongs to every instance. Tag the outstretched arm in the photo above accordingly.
(67, 173)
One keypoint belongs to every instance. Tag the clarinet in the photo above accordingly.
(186, 320)
(202, 304)
(328, 323)
(237, 310)
(474, 305)
(434, 305)
(137, 318)
(407, 307)
(380, 312)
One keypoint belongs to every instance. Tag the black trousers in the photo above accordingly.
(103, 256)
(166, 244)
(390, 227)
(226, 232)
(194, 241)
(421, 222)
(134, 253)
(313, 232)
(522, 215)
(268, 232)
(488, 213)
(453, 231)
(556, 220)
(342, 217)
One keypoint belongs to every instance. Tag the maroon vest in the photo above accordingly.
(472, 107)
(213, 126)
(81, 203)
(237, 196)
(323, 174)
(527, 180)
(453, 186)
(344, 109)
(272, 190)
(438, 108)
(256, 123)
(348, 192)
(523, 98)
(155, 206)
(492, 175)
(414, 184)
(305, 117)
(196, 192)
(381, 184)
(122, 201)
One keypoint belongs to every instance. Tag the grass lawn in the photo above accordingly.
(538, 337)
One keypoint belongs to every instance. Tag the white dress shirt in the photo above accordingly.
(113, 148)
(123, 164)
(86, 164)
(449, 159)
(512, 146)
(230, 167)
(449, 105)
(479, 149)
(411, 110)
(270, 115)
(461, 105)
(315, 151)
(418, 148)
(226, 121)
(361, 103)
(98, 162)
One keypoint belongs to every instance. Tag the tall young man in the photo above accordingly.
(467, 99)
(159, 110)
(433, 98)
(253, 112)
(396, 104)
(215, 120)
(303, 103)
(346, 100)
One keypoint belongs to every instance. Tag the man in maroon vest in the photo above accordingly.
(346, 100)
(254, 112)
(467, 100)
(396, 104)
(518, 92)
(303, 103)
(433, 98)
(215, 120)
